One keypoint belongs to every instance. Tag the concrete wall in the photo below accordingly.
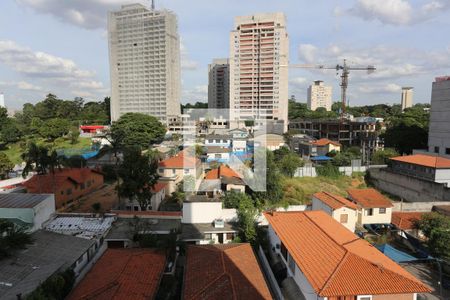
(417, 206)
(409, 188)
(201, 212)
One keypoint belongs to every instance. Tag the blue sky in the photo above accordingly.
(61, 46)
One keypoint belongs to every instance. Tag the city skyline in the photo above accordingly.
(36, 57)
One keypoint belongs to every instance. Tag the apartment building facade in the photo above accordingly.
(319, 95)
(144, 56)
(259, 54)
(439, 130)
(219, 83)
(407, 97)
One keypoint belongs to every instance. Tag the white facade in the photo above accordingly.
(206, 212)
(319, 95)
(144, 55)
(219, 84)
(155, 201)
(407, 97)
(378, 215)
(259, 54)
(439, 130)
(344, 215)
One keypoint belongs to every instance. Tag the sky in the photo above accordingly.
(61, 46)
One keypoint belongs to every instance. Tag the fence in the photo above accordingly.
(310, 171)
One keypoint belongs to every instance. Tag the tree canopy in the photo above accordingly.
(12, 238)
(436, 228)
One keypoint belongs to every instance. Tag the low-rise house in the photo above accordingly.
(341, 209)
(49, 254)
(205, 221)
(29, 211)
(230, 180)
(324, 146)
(219, 140)
(217, 154)
(158, 195)
(223, 272)
(269, 141)
(373, 207)
(329, 262)
(67, 185)
(405, 221)
(174, 169)
(123, 274)
(239, 133)
(422, 166)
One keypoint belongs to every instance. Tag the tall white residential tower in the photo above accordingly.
(407, 97)
(219, 84)
(144, 56)
(439, 130)
(259, 46)
(319, 95)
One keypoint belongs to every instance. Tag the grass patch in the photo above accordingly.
(14, 151)
(299, 190)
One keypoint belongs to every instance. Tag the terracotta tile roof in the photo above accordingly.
(221, 171)
(425, 160)
(334, 201)
(46, 183)
(180, 161)
(122, 274)
(223, 272)
(405, 220)
(324, 142)
(158, 187)
(335, 261)
(369, 198)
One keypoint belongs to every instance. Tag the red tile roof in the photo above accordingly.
(369, 198)
(46, 183)
(405, 220)
(221, 171)
(335, 261)
(334, 201)
(223, 272)
(324, 142)
(425, 160)
(122, 274)
(180, 161)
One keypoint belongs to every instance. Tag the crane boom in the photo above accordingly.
(344, 76)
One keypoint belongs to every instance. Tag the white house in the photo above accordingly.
(341, 209)
(237, 133)
(217, 154)
(205, 221)
(220, 140)
(159, 193)
(373, 207)
(328, 262)
(27, 210)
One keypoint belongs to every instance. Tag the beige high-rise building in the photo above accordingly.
(144, 56)
(259, 46)
(219, 83)
(407, 97)
(319, 95)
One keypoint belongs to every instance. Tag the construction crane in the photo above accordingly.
(344, 76)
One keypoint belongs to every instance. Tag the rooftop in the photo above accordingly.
(84, 227)
(369, 198)
(122, 274)
(49, 253)
(125, 228)
(201, 198)
(222, 171)
(217, 149)
(324, 142)
(405, 220)
(335, 261)
(180, 161)
(435, 162)
(197, 231)
(21, 200)
(223, 272)
(334, 201)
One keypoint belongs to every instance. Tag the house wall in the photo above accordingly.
(351, 214)
(43, 211)
(235, 187)
(442, 176)
(394, 297)
(376, 218)
(215, 238)
(217, 142)
(201, 212)
(154, 202)
(224, 157)
(66, 193)
(239, 145)
(319, 205)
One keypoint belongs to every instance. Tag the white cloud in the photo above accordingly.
(89, 14)
(21, 85)
(186, 62)
(380, 88)
(395, 12)
(307, 53)
(48, 72)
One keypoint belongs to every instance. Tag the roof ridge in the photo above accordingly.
(326, 233)
(344, 258)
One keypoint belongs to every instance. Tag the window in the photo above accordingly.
(230, 236)
(218, 155)
(369, 212)
(365, 297)
(186, 171)
(447, 151)
(208, 236)
(382, 210)
(174, 171)
(283, 251)
(344, 218)
(161, 170)
(436, 149)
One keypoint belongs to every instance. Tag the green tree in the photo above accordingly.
(290, 163)
(135, 129)
(231, 199)
(37, 158)
(138, 174)
(54, 128)
(436, 228)
(246, 214)
(12, 238)
(381, 157)
(6, 165)
(273, 193)
(74, 135)
(9, 132)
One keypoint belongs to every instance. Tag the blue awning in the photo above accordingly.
(394, 254)
(320, 158)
